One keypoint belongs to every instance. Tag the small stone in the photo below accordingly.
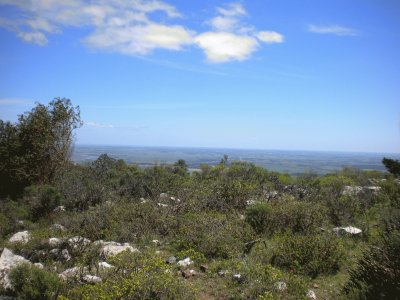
(65, 255)
(170, 260)
(281, 286)
(59, 208)
(311, 295)
(186, 273)
(54, 242)
(156, 242)
(315, 285)
(91, 279)
(185, 262)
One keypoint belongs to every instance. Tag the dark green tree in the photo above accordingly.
(37, 146)
(393, 166)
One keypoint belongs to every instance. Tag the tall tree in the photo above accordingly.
(37, 146)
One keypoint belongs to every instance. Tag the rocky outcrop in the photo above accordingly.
(8, 261)
(113, 248)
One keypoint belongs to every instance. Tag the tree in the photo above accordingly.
(37, 146)
(393, 166)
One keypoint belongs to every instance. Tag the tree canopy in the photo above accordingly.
(34, 148)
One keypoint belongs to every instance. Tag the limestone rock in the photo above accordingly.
(91, 279)
(69, 273)
(114, 249)
(8, 261)
(20, 237)
(185, 262)
(311, 295)
(54, 242)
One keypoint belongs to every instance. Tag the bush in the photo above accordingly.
(296, 216)
(32, 283)
(213, 234)
(310, 255)
(41, 199)
(137, 276)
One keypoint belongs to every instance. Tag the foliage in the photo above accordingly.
(311, 255)
(33, 150)
(137, 276)
(393, 166)
(32, 283)
(296, 216)
(214, 234)
(41, 199)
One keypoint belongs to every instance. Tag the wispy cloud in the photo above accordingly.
(333, 29)
(14, 101)
(98, 125)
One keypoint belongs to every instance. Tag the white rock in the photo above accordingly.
(156, 242)
(59, 208)
(65, 255)
(237, 276)
(8, 261)
(311, 295)
(162, 205)
(78, 241)
(280, 286)
(57, 227)
(39, 265)
(185, 262)
(349, 229)
(111, 250)
(351, 190)
(105, 265)
(250, 202)
(163, 196)
(54, 242)
(69, 273)
(91, 279)
(20, 237)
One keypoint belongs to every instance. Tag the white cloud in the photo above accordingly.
(224, 46)
(333, 29)
(270, 37)
(98, 125)
(230, 38)
(128, 27)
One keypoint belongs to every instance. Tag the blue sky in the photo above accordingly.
(273, 74)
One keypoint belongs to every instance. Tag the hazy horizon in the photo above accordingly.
(315, 75)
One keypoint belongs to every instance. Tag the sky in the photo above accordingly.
(270, 74)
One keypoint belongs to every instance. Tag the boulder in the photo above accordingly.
(8, 261)
(54, 242)
(78, 241)
(70, 273)
(114, 249)
(185, 262)
(104, 265)
(91, 279)
(349, 229)
(20, 237)
(39, 265)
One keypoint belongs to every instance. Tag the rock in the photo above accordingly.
(104, 265)
(91, 279)
(8, 261)
(223, 273)
(113, 249)
(170, 260)
(186, 273)
(65, 256)
(57, 227)
(69, 273)
(156, 242)
(311, 295)
(54, 242)
(349, 229)
(281, 286)
(185, 262)
(59, 208)
(163, 196)
(250, 202)
(315, 285)
(162, 205)
(237, 277)
(54, 252)
(203, 268)
(39, 265)
(78, 241)
(20, 237)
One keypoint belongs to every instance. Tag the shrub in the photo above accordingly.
(213, 234)
(137, 276)
(41, 199)
(307, 254)
(32, 283)
(296, 216)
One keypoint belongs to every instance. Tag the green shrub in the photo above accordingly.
(296, 216)
(310, 255)
(41, 199)
(137, 276)
(213, 234)
(32, 283)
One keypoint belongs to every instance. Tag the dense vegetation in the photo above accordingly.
(250, 233)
